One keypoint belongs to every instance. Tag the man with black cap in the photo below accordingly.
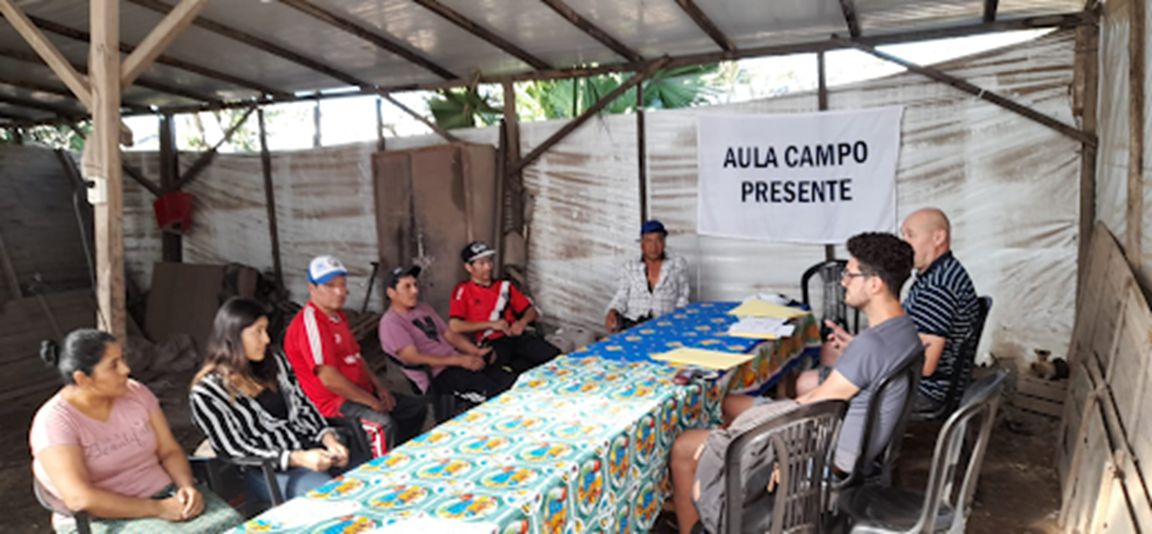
(413, 333)
(495, 314)
(650, 287)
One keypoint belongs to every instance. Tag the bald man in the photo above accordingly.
(942, 302)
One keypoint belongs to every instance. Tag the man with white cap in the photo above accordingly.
(496, 313)
(326, 358)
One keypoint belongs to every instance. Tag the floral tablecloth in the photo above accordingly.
(578, 445)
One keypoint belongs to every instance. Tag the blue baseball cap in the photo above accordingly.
(652, 226)
(324, 268)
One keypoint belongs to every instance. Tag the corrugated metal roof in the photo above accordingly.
(322, 56)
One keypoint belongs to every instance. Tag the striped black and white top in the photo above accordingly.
(238, 426)
(943, 302)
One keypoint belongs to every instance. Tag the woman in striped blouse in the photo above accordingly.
(247, 401)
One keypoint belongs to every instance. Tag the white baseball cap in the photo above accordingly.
(324, 268)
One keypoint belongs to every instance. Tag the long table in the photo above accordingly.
(578, 445)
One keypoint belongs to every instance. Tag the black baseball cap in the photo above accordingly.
(401, 271)
(476, 250)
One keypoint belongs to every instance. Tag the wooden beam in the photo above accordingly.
(989, 96)
(586, 115)
(36, 104)
(990, 7)
(104, 70)
(80, 35)
(64, 92)
(641, 154)
(701, 19)
(139, 178)
(822, 105)
(585, 25)
(1064, 21)
(20, 55)
(1087, 58)
(1134, 227)
(260, 44)
(848, 8)
(16, 117)
(511, 185)
(270, 199)
(483, 33)
(47, 51)
(355, 28)
(170, 27)
(206, 158)
(171, 243)
(435, 127)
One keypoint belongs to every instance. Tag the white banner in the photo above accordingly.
(804, 177)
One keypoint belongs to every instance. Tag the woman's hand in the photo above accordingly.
(314, 459)
(170, 509)
(337, 452)
(471, 363)
(192, 499)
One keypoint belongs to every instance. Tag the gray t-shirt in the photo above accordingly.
(867, 360)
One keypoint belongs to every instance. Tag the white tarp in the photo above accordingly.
(801, 177)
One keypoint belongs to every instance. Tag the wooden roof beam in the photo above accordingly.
(158, 39)
(16, 117)
(848, 7)
(566, 11)
(206, 157)
(1086, 138)
(43, 88)
(260, 44)
(380, 41)
(79, 35)
(990, 7)
(47, 52)
(36, 104)
(701, 19)
(155, 86)
(483, 33)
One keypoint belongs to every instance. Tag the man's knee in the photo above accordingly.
(734, 405)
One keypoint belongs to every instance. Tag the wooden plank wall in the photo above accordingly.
(1105, 455)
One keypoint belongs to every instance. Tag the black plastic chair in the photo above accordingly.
(834, 308)
(444, 404)
(803, 444)
(962, 371)
(879, 470)
(943, 506)
(54, 504)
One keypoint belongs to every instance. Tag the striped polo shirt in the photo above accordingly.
(943, 302)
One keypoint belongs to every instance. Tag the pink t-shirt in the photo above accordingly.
(120, 453)
(419, 327)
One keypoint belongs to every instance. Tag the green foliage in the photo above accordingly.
(463, 108)
(52, 136)
(557, 99)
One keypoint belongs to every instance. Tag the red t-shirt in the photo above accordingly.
(474, 303)
(315, 338)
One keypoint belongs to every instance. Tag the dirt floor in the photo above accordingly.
(1019, 492)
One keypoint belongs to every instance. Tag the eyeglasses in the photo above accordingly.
(849, 274)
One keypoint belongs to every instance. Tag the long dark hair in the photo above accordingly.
(81, 351)
(225, 355)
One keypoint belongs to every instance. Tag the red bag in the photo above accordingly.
(377, 437)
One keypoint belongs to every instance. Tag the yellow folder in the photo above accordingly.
(709, 359)
(759, 308)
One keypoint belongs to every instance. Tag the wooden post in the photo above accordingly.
(172, 248)
(270, 198)
(380, 145)
(822, 104)
(512, 190)
(1135, 212)
(641, 153)
(1088, 47)
(104, 75)
(316, 123)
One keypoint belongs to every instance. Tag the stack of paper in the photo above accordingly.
(760, 308)
(761, 328)
(708, 359)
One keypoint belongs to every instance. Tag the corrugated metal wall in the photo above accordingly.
(1010, 186)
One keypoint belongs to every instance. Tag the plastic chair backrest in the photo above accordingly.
(865, 465)
(55, 505)
(833, 307)
(966, 357)
(981, 401)
(802, 441)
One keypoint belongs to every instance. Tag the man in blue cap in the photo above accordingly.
(653, 286)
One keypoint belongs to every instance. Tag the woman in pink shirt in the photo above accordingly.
(102, 445)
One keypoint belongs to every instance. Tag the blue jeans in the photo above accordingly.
(293, 482)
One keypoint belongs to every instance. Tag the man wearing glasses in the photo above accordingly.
(878, 266)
